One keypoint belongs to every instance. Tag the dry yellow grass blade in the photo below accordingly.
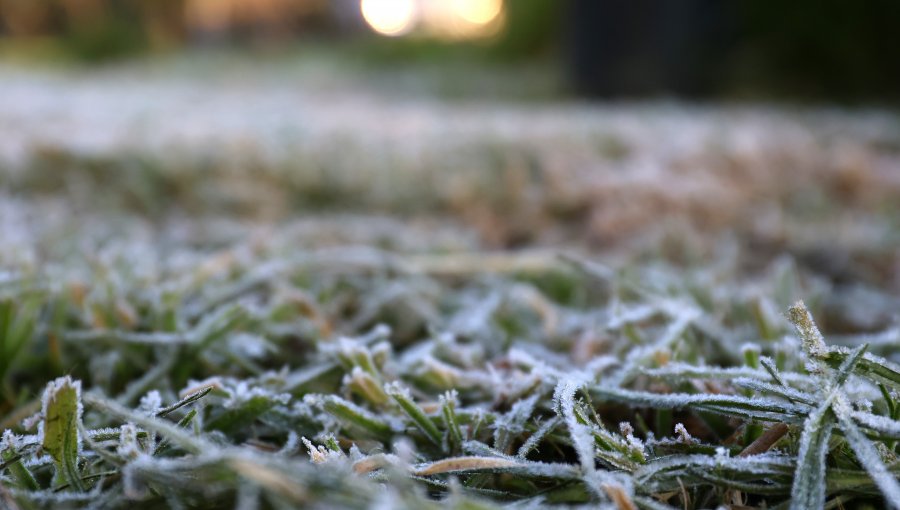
(464, 464)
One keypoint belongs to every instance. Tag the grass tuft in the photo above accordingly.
(421, 388)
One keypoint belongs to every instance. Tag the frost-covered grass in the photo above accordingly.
(468, 306)
(198, 139)
(354, 377)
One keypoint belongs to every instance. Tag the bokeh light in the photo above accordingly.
(442, 19)
(478, 12)
(389, 17)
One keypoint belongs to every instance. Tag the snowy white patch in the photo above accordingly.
(320, 454)
(150, 404)
(683, 435)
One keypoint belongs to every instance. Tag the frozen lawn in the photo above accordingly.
(256, 287)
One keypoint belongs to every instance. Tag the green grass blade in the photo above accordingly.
(353, 415)
(190, 399)
(243, 414)
(62, 413)
(451, 421)
(810, 486)
(867, 454)
(162, 427)
(809, 480)
(182, 423)
(401, 395)
(13, 461)
(757, 408)
(874, 367)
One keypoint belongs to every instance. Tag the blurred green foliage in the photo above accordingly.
(807, 49)
(92, 30)
(532, 28)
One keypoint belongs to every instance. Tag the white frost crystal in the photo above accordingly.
(683, 435)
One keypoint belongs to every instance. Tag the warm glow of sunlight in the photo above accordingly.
(389, 17)
(479, 12)
(443, 19)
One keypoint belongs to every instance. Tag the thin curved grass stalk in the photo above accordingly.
(809, 481)
(535, 439)
(473, 464)
(758, 408)
(189, 399)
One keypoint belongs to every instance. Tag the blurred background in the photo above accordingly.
(698, 48)
(641, 128)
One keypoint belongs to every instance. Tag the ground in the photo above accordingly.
(279, 281)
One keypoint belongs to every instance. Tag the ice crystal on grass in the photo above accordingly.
(128, 447)
(320, 454)
(809, 479)
(867, 454)
(280, 376)
(683, 435)
(883, 425)
(813, 343)
(151, 403)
